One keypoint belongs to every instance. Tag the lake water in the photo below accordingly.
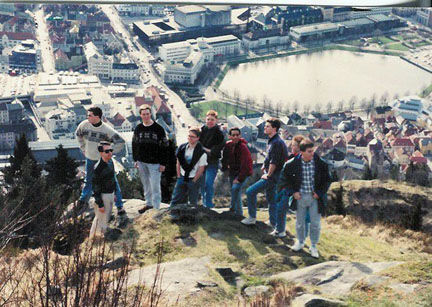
(326, 76)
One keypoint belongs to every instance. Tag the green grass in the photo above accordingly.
(224, 109)
(357, 42)
(421, 44)
(411, 272)
(397, 46)
(426, 92)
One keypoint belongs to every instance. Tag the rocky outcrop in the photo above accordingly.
(335, 277)
(177, 279)
(387, 202)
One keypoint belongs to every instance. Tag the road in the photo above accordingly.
(142, 56)
(42, 35)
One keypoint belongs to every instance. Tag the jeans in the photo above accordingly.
(282, 209)
(207, 188)
(307, 201)
(100, 222)
(151, 180)
(87, 190)
(269, 185)
(236, 190)
(184, 190)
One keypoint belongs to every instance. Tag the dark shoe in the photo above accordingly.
(122, 218)
(144, 209)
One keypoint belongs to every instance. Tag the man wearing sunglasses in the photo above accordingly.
(89, 134)
(237, 160)
(104, 184)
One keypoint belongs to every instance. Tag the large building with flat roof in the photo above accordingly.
(318, 31)
(170, 29)
(194, 16)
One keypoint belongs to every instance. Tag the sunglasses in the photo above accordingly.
(108, 150)
(235, 134)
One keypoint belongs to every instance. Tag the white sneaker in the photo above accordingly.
(314, 252)
(281, 234)
(297, 246)
(248, 221)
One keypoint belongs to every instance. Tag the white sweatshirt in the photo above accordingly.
(89, 137)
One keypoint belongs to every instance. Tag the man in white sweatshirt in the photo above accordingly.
(89, 134)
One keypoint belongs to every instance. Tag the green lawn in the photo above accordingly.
(381, 40)
(421, 44)
(397, 46)
(426, 92)
(200, 109)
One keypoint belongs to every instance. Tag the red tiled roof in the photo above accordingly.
(60, 54)
(402, 142)
(18, 36)
(139, 101)
(164, 108)
(117, 120)
(418, 160)
(323, 125)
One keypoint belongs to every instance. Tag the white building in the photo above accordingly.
(424, 16)
(175, 51)
(11, 39)
(60, 123)
(371, 11)
(265, 39)
(141, 9)
(98, 65)
(106, 68)
(125, 72)
(409, 108)
(224, 45)
(185, 72)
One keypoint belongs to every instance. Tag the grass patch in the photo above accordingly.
(421, 44)
(426, 92)
(381, 40)
(411, 272)
(383, 296)
(357, 42)
(397, 46)
(224, 109)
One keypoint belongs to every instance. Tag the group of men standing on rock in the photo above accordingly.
(298, 181)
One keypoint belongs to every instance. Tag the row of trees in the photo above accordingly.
(280, 107)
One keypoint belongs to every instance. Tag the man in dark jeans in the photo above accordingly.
(238, 161)
(277, 153)
(191, 162)
(213, 141)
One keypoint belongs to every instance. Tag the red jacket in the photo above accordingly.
(237, 158)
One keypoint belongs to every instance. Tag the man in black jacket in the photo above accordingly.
(104, 185)
(306, 180)
(213, 141)
(149, 151)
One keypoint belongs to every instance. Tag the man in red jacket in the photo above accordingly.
(237, 159)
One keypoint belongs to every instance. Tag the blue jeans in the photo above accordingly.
(307, 201)
(236, 190)
(151, 180)
(184, 190)
(282, 209)
(207, 188)
(269, 185)
(87, 190)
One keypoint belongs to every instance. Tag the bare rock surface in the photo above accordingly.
(335, 277)
(179, 278)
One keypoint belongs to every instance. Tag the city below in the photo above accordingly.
(356, 82)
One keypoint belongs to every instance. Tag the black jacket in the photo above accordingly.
(291, 179)
(104, 180)
(213, 139)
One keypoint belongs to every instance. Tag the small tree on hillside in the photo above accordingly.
(21, 151)
(62, 171)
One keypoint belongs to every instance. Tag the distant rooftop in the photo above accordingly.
(318, 27)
